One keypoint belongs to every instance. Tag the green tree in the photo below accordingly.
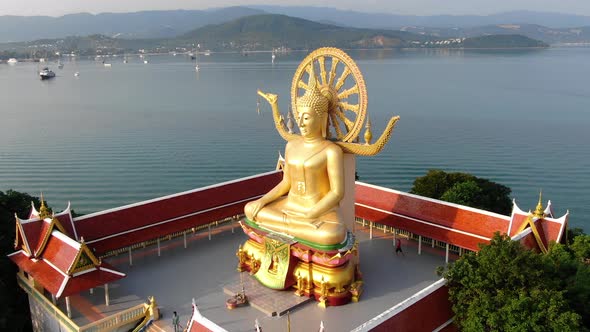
(505, 287)
(571, 268)
(15, 315)
(463, 193)
(465, 189)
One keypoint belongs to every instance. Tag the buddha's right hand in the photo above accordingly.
(270, 97)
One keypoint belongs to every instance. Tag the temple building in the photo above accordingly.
(60, 257)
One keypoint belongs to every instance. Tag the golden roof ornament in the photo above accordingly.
(340, 82)
(539, 211)
(43, 211)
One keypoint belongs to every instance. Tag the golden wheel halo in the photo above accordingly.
(344, 86)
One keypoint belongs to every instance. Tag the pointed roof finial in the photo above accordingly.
(43, 211)
(539, 209)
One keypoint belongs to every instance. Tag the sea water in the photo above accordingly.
(130, 132)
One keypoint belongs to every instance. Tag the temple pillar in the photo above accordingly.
(370, 230)
(68, 307)
(447, 254)
(184, 236)
(53, 300)
(209, 226)
(106, 295)
(130, 258)
(159, 252)
(394, 234)
(91, 290)
(419, 244)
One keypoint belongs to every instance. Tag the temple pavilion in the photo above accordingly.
(104, 271)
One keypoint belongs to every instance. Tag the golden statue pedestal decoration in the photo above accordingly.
(312, 272)
(299, 232)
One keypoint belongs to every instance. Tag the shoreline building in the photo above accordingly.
(60, 257)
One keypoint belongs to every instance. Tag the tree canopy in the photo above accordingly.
(464, 189)
(15, 315)
(508, 287)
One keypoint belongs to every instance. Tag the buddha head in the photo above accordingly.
(312, 109)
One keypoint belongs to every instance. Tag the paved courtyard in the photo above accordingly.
(202, 270)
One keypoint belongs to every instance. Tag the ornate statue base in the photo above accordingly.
(329, 274)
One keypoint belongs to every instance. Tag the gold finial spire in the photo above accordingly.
(539, 209)
(43, 211)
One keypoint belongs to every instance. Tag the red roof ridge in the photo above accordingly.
(424, 222)
(48, 262)
(102, 268)
(46, 233)
(66, 239)
(21, 231)
(437, 201)
(90, 215)
(62, 287)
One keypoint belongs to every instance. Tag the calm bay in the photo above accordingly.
(121, 134)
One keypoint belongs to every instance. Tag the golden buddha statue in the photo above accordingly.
(298, 230)
(313, 179)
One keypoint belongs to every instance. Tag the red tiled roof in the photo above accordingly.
(529, 240)
(67, 222)
(60, 284)
(46, 228)
(548, 228)
(52, 267)
(102, 275)
(552, 230)
(51, 279)
(59, 253)
(138, 222)
(32, 232)
(518, 219)
(460, 225)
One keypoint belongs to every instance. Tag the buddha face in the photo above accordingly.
(310, 124)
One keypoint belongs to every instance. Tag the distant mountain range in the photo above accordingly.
(269, 31)
(167, 24)
(394, 21)
(545, 34)
(146, 24)
(257, 32)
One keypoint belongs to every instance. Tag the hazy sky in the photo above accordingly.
(417, 7)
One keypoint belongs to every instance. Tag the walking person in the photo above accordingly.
(398, 247)
(176, 322)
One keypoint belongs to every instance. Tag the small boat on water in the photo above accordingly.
(46, 74)
(77, 74)
(107, 64)
(12, 61)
